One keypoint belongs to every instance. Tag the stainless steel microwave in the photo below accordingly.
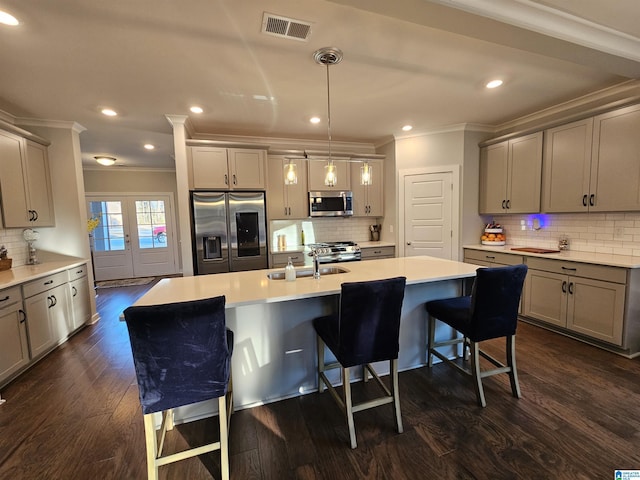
(330, 204)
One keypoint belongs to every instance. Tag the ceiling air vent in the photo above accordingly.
(285, 27)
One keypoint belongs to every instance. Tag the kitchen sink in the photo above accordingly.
(308, 272)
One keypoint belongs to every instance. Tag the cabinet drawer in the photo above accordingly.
(378, 252)
(10, 296)
(492, 257)
(77, 272)
(43, 284)
(585, 270)
(281, 259)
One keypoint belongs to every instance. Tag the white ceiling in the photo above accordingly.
(407, 61)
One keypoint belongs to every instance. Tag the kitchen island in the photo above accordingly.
(274, 355)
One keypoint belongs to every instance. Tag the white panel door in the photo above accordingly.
(428, 214)
(135, 236)
(111, 244)
(152, 239)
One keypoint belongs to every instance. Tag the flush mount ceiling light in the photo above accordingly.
(196, 109)
(407, 128)
(314, 120)
(109, 112)
(494, 83)
(106, 161)
(329, 56)
(148, 146)
(8, 19)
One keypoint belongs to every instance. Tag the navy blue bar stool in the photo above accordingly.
(491, 311)
(365, 330)
(182, 355)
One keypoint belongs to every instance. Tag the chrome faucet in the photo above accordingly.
(316, 264)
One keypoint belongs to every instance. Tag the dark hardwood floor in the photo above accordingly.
(76, 415)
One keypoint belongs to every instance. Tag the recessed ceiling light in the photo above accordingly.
(195, 109)
(494, 83)
(314, 120)
(109, 112)
(8, 19)
(406, 128)
(148, 146)
(106, 161)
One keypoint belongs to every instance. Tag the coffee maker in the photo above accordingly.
(374, 232)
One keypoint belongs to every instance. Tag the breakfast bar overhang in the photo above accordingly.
(274, 355)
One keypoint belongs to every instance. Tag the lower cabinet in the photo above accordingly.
(587, 299)
(281, 259)
(80, 305)
(14, 348)
(46, 303)
(375, 253)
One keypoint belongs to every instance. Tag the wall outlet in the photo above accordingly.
(618, 233)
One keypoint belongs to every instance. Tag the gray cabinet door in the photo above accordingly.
(615, 164)
(567, 167)
(493, 178)
(525, 174)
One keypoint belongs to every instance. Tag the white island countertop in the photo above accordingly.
(254, 287)
(624, 261)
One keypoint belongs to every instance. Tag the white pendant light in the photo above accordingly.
(290, 173)
(365, 174)
(329, 56)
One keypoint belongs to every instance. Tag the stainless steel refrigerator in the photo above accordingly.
(229, 231)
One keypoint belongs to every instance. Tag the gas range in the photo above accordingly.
(329, 252)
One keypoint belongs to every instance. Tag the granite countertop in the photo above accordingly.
(50, 264)
(254, 287)
(624, 261)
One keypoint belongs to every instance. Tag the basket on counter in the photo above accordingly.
(493, 235)
(5, 264)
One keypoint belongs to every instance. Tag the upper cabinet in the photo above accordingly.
(367, 199)
(510, 176)
(286, 201)
(317, 175)
(594, 164)
(615, 161)
(567, 167)
(25, 183)
(227, 168)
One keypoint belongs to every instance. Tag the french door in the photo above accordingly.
(134, 237)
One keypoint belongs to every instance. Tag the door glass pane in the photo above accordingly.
(152, 224)
(109, 234)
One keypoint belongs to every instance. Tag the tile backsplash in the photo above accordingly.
(17, 248)
(321, 230)
(612, 233)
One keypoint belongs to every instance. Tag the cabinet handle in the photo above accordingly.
(564, 287)
(569, 269)
(508, 204)
(571, 288)
(4, 299)
(48, 282)
(35, 213)
(74, 290)
(584, 200)
(226, 179)
(234, 179)
(592, 199)
(504, 204)
(489, 257)
(24, 316)
(289, 210)
(49, 302)
(377, 252)
(79, 272)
